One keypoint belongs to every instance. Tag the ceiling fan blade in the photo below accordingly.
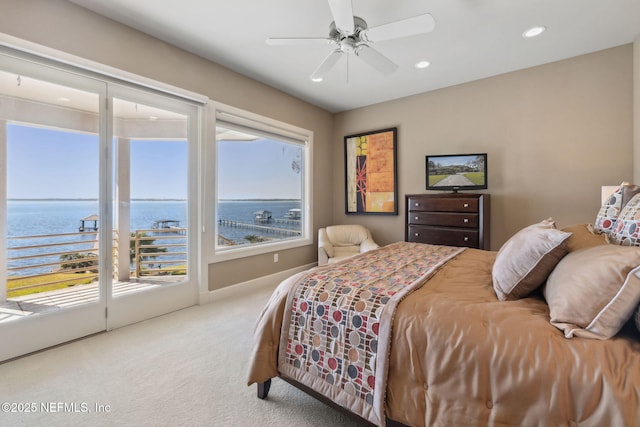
(299, 41)
(375, 59)
(404, 28)
(326, 65)
(342, 15)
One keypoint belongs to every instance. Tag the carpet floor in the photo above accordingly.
(186, 368)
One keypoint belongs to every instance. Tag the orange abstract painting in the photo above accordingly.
(370, 171)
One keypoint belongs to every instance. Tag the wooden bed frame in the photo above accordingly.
(263, 392)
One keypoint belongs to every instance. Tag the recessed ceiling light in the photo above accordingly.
(422, 64)
(316, 79)
(534, 31)
(64, 99)
(153, 118)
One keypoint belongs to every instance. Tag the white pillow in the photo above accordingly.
(593, 292)
(524, 262)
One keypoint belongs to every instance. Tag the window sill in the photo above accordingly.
(222, 255)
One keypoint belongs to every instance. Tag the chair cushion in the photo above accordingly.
(338, 259)
(346, 251)
(347, 235)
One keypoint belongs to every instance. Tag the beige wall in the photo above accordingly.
(64, 26)
(554, 134)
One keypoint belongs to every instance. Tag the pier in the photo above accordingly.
(263, 228)
(286, 221)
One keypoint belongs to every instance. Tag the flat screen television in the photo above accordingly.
(455, 172)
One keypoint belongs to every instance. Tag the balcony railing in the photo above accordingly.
(160, 253)
(47, 262)
(51, 260)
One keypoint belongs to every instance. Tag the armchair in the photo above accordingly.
(338, 242)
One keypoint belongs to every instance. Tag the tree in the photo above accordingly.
(144, 240)
(252, 238)
(80, 261)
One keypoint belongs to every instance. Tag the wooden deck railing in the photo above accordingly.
(39, 261)
(152, 256)
(40, 264)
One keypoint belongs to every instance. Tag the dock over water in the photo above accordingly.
(262, 228)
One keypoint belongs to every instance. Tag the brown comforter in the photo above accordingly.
(459, 357)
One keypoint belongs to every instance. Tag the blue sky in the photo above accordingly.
(453, 160)
(264, 173)
(50, 164)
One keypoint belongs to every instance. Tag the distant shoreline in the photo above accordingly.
(259, 200)
(151, 200)
(93, 200)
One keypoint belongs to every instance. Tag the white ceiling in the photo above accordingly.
(472, 39)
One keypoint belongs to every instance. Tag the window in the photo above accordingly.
(262, 186)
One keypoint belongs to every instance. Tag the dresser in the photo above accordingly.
(452, 219)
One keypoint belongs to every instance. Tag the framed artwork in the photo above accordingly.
(371, 184)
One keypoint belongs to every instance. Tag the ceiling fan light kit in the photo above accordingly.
(350, 33)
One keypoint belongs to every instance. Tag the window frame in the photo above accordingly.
(107, 312)
(226, 114)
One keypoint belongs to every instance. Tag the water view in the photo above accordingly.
(237, 222)
(244, 212)
(36, 217)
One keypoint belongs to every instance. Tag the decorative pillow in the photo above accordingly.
(524, 262)
(628, 191)
(593, 292)
(606, 218)
(627, 227)
(582, 237)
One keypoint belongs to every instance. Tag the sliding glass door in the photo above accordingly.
(54, 269)
(96, 190)
(154, 144)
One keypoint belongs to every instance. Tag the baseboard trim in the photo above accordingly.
(260, 283)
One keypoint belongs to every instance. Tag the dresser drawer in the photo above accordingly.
(446, 219)
(460, 219)
(443, 236)
(443, 204)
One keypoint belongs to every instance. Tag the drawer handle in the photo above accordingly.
(417, 204)
(417, 234)
(465, 220)
(466, 205)
(466, 239)
(417, 218)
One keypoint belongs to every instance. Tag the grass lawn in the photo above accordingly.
(434, 179)
(68, 279)
(476, 177)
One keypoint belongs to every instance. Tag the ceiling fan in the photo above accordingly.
(351, 34)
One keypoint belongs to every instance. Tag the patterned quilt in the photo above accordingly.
(337, 326)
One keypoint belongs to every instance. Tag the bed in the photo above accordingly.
(468, 347)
